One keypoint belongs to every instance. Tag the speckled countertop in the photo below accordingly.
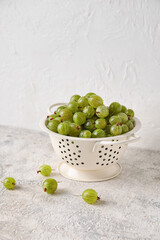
(129, 206)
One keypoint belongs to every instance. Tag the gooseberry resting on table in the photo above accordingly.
(9, 183)
(90, 196)
(45, 170)
(50, 185)
(88, 117)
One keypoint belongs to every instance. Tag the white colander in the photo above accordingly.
(89, 159)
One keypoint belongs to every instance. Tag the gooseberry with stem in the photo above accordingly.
(116, 129)
(90, 196)
(75, 130)
(50, 185)
(45, 170)
(102, 111)
(9, 183)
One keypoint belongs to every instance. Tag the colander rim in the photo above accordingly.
(134, 130)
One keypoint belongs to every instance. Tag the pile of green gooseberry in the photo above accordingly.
(88, 117)
(50, 185)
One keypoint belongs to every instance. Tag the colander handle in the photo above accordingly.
(55, 105)
(132, 138)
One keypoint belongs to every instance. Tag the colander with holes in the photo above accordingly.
(89, 159)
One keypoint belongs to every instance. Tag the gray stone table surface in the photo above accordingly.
(129, 207)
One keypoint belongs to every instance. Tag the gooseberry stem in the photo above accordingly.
(38, 171)
(45, 189)
(98, 198)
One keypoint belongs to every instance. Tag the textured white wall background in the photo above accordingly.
(51, 49)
